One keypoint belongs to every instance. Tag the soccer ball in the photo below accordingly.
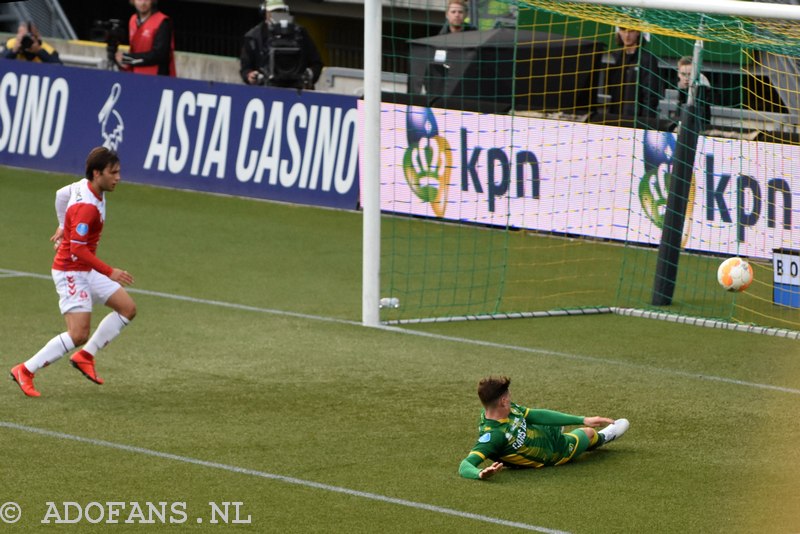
(735, 274)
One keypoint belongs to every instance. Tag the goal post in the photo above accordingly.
(370, 183)
(498, 185)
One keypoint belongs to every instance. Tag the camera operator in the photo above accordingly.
(279, 53)
(152, 49)
(28, 45)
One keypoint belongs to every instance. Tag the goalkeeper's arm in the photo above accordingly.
(552, 418)
(469, 468)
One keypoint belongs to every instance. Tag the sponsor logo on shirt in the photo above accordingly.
(485, 438)
(521, 435)
(82, 229)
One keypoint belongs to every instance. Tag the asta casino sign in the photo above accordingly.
(585, 179)
(239, 140)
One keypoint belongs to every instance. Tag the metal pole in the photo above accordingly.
(370, 180)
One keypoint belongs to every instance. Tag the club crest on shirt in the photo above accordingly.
(82, 229)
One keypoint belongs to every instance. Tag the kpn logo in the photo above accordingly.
(428, 160)
(659, 149)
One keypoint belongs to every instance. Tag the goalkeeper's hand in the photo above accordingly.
(489, 472)
(597, 421)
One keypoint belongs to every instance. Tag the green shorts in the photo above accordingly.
(575, 443)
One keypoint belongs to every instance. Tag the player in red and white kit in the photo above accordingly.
(81, 278)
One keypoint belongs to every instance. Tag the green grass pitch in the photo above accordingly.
(247, 364)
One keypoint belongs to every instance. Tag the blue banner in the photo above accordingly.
(267, 143)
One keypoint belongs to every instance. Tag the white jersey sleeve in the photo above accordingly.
(62, 202)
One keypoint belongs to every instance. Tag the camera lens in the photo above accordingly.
(27, 41)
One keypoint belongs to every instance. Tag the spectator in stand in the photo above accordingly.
(279, 53)
(152, 41)
(455, 14)
(28, 45)
(633, 82)
(702, 108)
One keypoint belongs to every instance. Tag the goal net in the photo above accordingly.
(572, 158)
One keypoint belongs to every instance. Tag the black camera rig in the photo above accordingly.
(285, 62)
(112, 32)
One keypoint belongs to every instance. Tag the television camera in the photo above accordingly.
(285, 62)
(112, 32)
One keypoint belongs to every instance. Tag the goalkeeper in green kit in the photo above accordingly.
(510, 435)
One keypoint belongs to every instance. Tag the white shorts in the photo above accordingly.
(78, 290)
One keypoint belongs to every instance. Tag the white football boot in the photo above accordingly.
(615, 430)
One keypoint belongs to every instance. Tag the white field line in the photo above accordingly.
(604, 361)
(279, 478)
(489, 344)
(366, 495)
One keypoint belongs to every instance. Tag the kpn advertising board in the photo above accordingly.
(585, 179)
(258, 142)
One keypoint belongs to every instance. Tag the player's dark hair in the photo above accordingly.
(99, 159)
(490, 389)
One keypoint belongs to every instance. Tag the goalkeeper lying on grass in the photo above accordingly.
(511, 435)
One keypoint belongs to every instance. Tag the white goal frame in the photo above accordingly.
(371, 147)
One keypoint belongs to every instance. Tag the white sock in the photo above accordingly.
(55, 349)
(109, 328)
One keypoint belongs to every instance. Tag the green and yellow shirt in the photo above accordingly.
(526, 438)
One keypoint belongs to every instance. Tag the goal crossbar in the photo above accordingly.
(736, 8)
